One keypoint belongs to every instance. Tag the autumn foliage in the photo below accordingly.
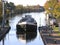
(0, 8)
(53, 6)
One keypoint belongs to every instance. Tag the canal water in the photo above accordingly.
(32, 38)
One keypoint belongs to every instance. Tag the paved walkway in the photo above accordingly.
(50, 37)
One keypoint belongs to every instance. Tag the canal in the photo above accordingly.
(12, 38)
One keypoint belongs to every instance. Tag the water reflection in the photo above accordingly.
(32, 38)
(26, 37)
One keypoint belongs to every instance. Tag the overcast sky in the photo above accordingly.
(28, 2)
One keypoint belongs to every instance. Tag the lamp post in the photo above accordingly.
(3, 13)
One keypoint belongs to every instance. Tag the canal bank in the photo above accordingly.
(50, 37)
(3, 32)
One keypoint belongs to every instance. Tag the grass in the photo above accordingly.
(56, 29)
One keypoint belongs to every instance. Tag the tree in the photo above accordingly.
(19, 9)
(9, 8)
(0, 9)
(53, 7)
(12, 5)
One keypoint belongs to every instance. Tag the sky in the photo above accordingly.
(28, 2)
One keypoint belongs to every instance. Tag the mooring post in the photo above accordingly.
(3, 42)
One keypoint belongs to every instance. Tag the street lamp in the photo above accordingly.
(3, 13)
(3, 21)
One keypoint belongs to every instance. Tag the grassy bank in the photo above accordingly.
(56, 29)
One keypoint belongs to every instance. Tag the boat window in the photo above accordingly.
(24, 19)
(31, 20)
(27, 19)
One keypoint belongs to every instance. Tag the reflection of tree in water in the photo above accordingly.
(26, 36)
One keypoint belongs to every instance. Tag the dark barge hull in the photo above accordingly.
(26, 28)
